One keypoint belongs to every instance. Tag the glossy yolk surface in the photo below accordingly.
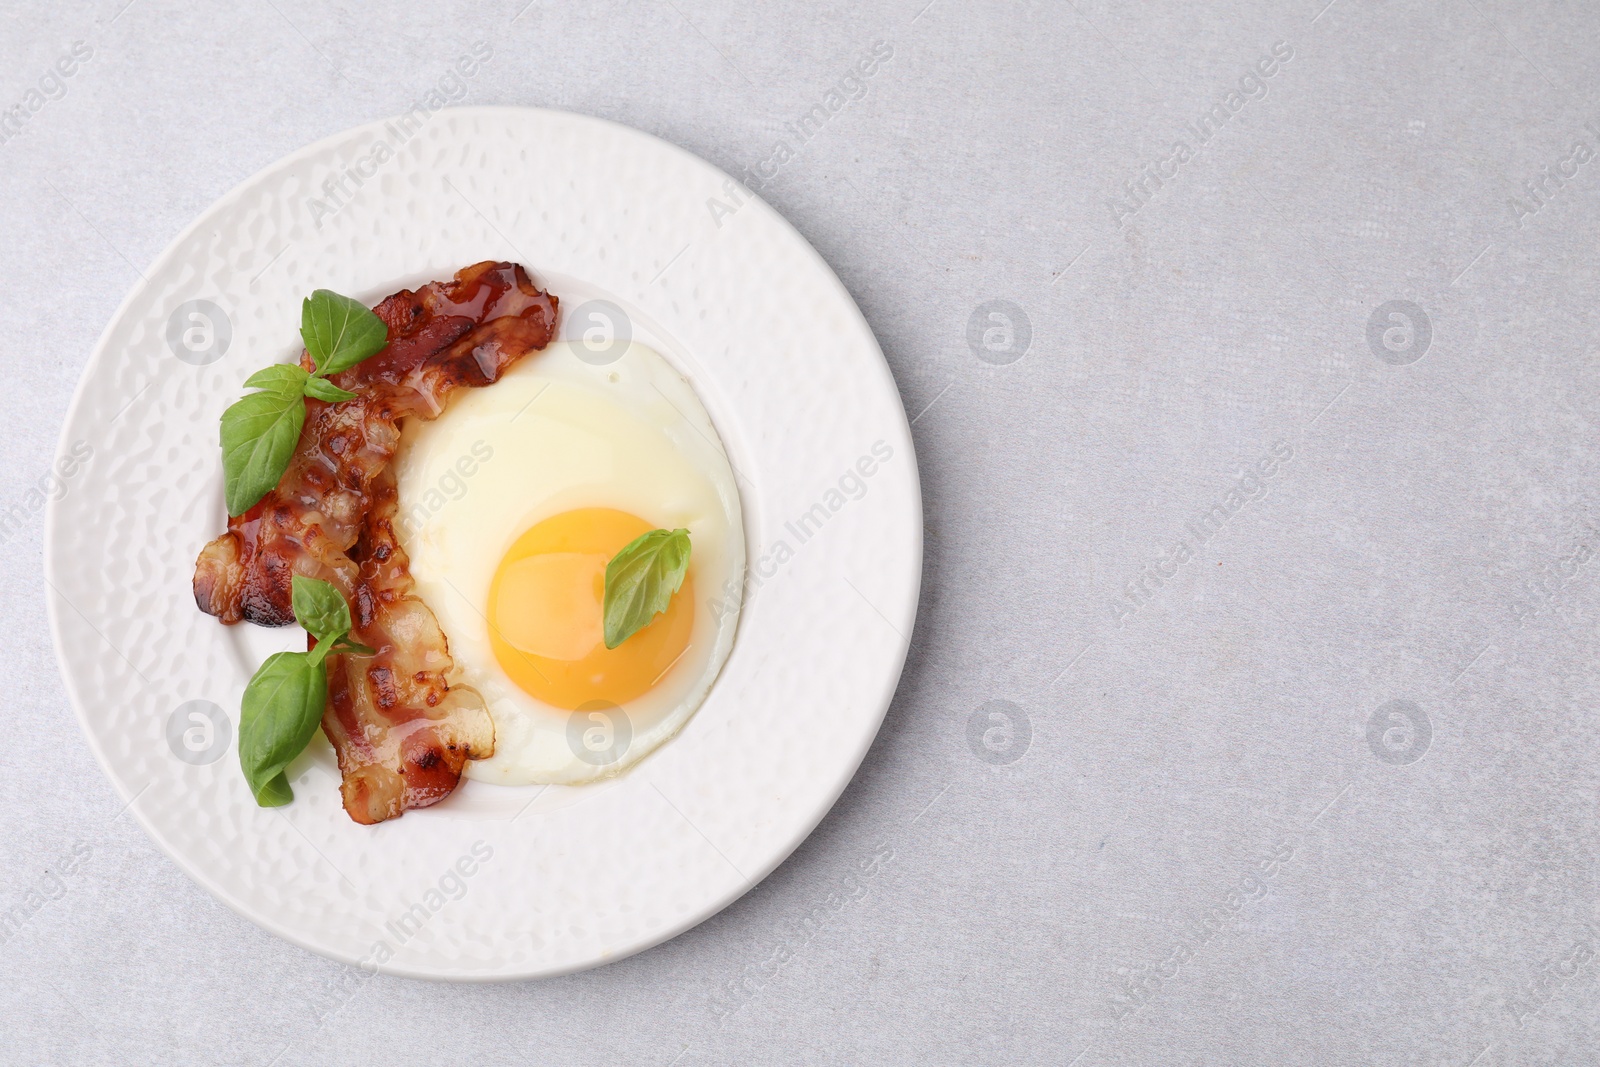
(545, 621)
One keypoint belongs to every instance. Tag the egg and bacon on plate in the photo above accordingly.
(493, 542)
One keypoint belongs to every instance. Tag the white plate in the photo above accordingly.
(799, 391)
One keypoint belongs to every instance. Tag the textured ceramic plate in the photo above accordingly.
(494, 882)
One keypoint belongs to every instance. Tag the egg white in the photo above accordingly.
(554, 434)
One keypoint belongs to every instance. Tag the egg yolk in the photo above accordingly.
(545, 622)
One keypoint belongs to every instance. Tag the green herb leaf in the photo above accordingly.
(641, 581)
(258, 438)
(319, 607)
(259, 432)
(286, 378)
(323, 389)
(339, 332)
(274, 792)
(352, 648)
(284, 701)
(281, 709)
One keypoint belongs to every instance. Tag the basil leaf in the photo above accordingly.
(323, 389)
(286, 378)
(339, 332)
(281, 709)
(319, 653)
(258, 438)
(274, 792)
(319, 607)
(260, 431)
(641, 580)
(352, 648)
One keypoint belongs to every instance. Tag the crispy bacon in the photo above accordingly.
(402, 733)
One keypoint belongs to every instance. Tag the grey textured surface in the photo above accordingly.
(1206, 834)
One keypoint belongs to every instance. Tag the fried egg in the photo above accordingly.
(511, 505)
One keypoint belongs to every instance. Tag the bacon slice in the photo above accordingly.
(402, 733)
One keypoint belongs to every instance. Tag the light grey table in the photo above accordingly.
(1252, 352)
